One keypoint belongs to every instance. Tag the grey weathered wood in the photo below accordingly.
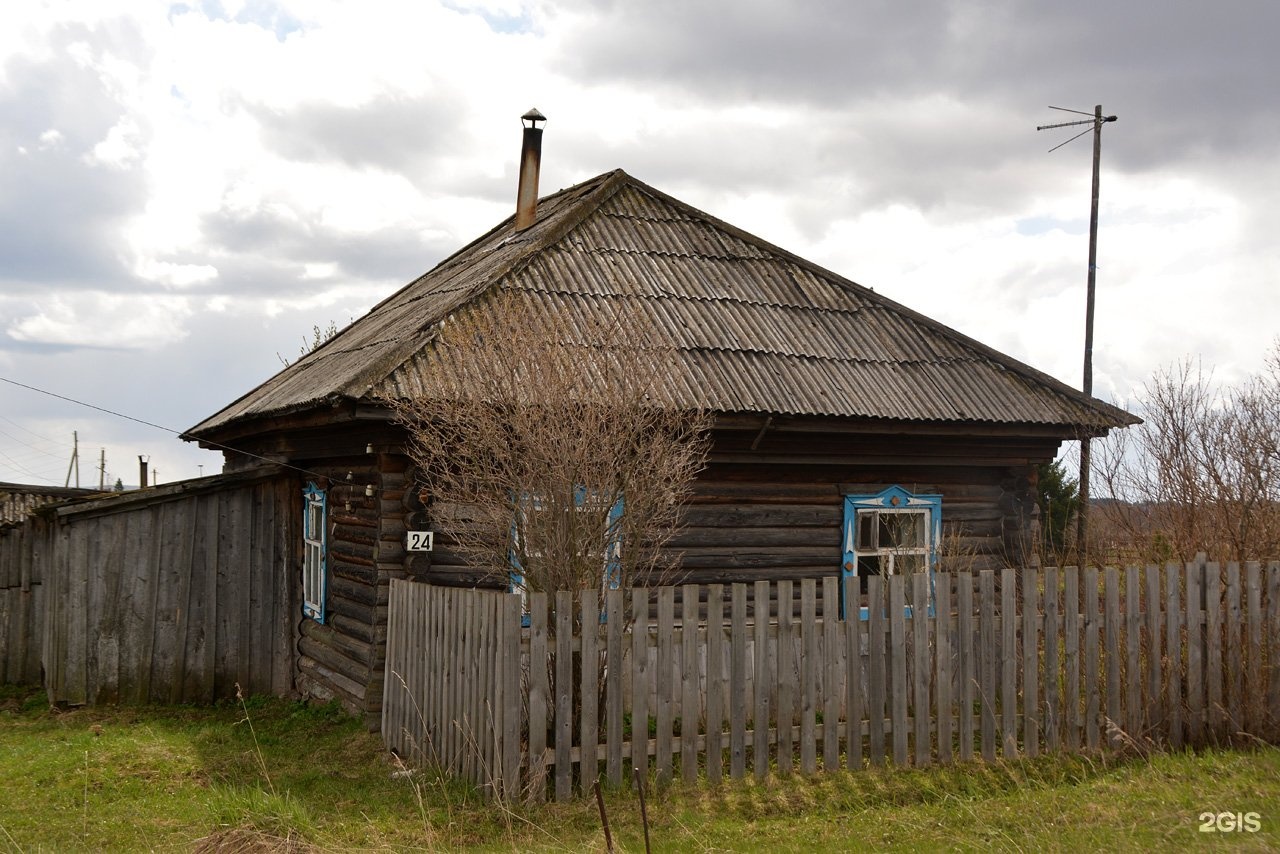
(832, 647)
(1030, 663)
(1273, 652)
(739, 702)
(944, 669)
(854, 673)
(397, 645)
(921, 667)
(615, 616)
(1133, 644)
(1072, 718)
(640, 682)
(1234, 664)
(764, 681)
(966, 662)
(510, 706)
(786, 682)
(451, 735)
(1092, 688)
(1173, 649)
(1213, 652)
(1153, 701)
(539, 692)
(987, 644)
(715, 682)
(1195, 654)
(1009, 663)
(690, 695)
(664, 685)
(1052, 661)
(1253, 654)
(899, 691)
(808, 677)
(877, 678)
(589, 738)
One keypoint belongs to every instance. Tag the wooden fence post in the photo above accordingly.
(921, 670)
(967, 662)
(786, 680)
(1009, 662)
(663, 685)
(715, 681)
(738, 703)
(876, 671)
(640, 682)
(764, 680)
(690, 698)
(945, 665)
(898, 668)
(1031, 662)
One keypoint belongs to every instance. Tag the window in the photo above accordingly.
(889, 533)
(583, 499)
(314, 555)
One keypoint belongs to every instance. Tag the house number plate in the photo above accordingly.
(420, 541)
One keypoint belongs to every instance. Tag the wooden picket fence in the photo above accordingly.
(719, 680)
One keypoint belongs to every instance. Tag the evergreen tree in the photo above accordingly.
(1059, 499)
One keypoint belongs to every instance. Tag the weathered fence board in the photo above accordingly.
(144, 597)
(519, 710)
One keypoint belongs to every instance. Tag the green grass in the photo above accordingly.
(307, 778)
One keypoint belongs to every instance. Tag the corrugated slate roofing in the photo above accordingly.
(755, 328)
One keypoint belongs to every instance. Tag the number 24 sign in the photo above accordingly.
(420, 541)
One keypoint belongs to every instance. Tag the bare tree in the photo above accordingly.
(548, 451)
(1202, 473)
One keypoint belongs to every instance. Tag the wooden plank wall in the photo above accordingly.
(175, 595)
(24, 551)
(1007, 666)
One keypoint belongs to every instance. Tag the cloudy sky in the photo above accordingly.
(187, 189)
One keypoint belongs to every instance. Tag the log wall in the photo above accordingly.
(775, 512)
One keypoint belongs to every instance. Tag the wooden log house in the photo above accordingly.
(829, 401)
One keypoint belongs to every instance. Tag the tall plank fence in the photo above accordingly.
(683, 681)
(170, 594)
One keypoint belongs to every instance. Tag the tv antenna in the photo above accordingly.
(1096, 121)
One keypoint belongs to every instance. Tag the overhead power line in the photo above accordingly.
(180, 434)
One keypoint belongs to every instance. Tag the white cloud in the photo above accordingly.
(271, 166)
(103, 321)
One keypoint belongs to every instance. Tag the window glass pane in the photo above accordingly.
(916, 523)
(866, 529)
(902, 530)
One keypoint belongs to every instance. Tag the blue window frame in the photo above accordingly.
(891, 532)
(315, 580)
(611, 568)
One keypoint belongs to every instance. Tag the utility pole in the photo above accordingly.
(102, 470)
(75, 460)
(1097, 121)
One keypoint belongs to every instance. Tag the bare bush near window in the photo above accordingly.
(524, 418)
(1202, 473)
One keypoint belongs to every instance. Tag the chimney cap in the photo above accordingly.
(533, 117)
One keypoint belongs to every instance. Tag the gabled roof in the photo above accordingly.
(756, 329)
